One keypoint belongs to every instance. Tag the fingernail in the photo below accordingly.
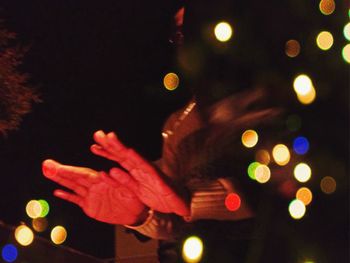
(99, 134)
(49, 168)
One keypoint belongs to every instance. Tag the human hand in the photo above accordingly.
(100, 197)
(151, 186)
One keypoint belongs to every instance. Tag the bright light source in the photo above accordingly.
(192, 249)
(58, 235)
(251, 169)
(304, 194)
(233, 202)
(9, 253)
(307, 98)
(262, 173)
(34, 209)
(324, 40)
(249, 138)
(301, 145)
(302, 172)
(346, 31)
(327, 7)
(223, 31)
(297, 209)
(302, 84)
(24, 235)
(346, 53)
(171, 81)
(281, 154)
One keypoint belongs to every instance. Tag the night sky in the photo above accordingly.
(100, 66)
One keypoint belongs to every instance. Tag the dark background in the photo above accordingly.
(99, 65)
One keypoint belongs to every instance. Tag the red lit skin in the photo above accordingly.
(142, 177)
(100, 197)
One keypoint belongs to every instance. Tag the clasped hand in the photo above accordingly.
(122, 196)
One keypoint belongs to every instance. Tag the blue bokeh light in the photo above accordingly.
(301, 145)
(9, 253)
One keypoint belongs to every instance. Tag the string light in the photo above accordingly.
(324, 40)
(232, 202)
(223, 31)
(192, 249)
(328, 185)
(249, 138)
(34, 209)
(327, 7)
(281, 154)
(45, 207)
(9, 253)
(346, 31)
(297, 209)
(58, 235)
(262, 173)
(292, 48)
(24, 235)
(171, 81)
(301, 145)
(251, 169)
(307, 98)
(302, 172)
(346, 53)
(302, 84)
(304, 194)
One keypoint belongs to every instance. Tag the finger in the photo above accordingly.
(124, 179)
(98, 150)
(75, 199)
(70, 184)
(110, 181)
(111, 144)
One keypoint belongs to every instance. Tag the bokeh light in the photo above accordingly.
(251, 169)
(346, 31)
(249, 138)
(223, 31)
(346, 53)
(307, 98)
(302, 172)
(45, 207)
(297, 209)
(58, 235)
(39, 224)
(327, 7)
(301, 145)
(171, 81)
(263, 157)
(328, 185)
(324, 40)
(9, 253)
(293, 122)
(33, 209)
(281, 154)
(192, 250)
(292, 48)
(24, 235)
(232, 202)
(262, 173)
(304, 194)
(302, 84)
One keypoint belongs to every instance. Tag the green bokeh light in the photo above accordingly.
(251, 169)
(45, 207)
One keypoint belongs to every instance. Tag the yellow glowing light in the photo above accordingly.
(346, 31)
(39, 224)
(171, 81)
(24, 235)
(304, 194)
(327, 7)
(302, 84)
(223, 31)
(324, 40)
(262, 174)
(34, 209)
(307, 98)
(328, 185)
(346, 53)
(292, 48)
(192, 249)
(58, 235)
(302, 172)
(281, 154)
(263, 157)
(250, 138)
(297, 209)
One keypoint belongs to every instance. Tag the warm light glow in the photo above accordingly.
(33, 209)
(39, 224)
(171, 81)
(192, 249)
(302, 172)
(328, 185)
(263, 157)
(251, 169)
(58, 235)
(301, 145)
(297, 209)
(223, 31)
(302, 84)
(293, 122)
(324, 40)
(9, 253)
(262, 173)
(307, 98)
(327, 7)
(292, 48)
(304, 194)
(232, 202)
(281, 154)
(346, 53)
(249, 138)
(24, 235)
(45, 207)
(346, 31)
